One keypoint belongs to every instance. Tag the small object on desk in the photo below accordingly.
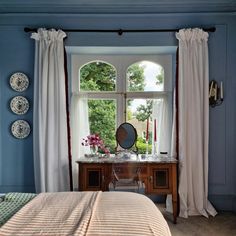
(143, 156)
(147, 130)
(125, 156)
(147, 136)
(146, 148)
(163, 153)
(155, 149)
(155, 130)
(164, 156)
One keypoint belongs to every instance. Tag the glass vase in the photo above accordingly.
(94, 150)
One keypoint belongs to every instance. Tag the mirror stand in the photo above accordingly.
(126, 138)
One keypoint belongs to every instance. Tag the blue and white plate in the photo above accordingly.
(20, 129)
(19, 82)
(19, 105)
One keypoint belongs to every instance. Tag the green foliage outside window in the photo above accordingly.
(135, 78)
(141, 144)
(160, 77)
(102, 120)
(144, 111)
(99, 76)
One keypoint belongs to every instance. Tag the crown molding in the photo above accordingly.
(122, 6)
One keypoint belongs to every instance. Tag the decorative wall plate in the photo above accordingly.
(19, 82)
(19, 105)
(20, 129)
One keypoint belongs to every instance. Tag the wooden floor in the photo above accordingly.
(223, 224)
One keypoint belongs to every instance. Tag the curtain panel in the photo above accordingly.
(50, 138)
(193, 112)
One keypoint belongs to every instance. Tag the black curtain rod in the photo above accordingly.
(120, 31)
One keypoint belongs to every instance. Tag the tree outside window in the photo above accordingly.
(100, 77)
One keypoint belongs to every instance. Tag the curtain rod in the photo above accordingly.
(120, 31)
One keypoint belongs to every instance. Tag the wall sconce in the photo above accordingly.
(215, 93)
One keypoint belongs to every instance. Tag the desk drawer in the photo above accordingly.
(130, 169)
(160, 179)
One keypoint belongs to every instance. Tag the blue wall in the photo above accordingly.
(17, 54)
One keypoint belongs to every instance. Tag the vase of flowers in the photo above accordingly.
(94, 150)
(95, 143)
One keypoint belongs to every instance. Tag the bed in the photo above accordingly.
(87, 213)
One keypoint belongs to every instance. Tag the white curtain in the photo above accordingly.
(50, 124)
(160, 113)
(79, 130)
(193, 123)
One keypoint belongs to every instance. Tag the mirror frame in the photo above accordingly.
(135, 138)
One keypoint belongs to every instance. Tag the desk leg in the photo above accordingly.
(174, 193)
(174, 203)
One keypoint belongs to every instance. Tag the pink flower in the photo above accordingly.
(95, 140)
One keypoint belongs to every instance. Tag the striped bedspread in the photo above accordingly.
(87, 213)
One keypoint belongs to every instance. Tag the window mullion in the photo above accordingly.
(121, 80)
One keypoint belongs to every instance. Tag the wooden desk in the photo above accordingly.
(159, 177)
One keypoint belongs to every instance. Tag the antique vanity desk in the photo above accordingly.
(159, 175)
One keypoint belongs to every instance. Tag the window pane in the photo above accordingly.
(138, 110)
(145, 115)
(102, 120)
(145, 76)
(97, 76)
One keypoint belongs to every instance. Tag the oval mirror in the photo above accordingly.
(126, 135)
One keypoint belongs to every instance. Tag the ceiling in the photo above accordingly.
(116, 6)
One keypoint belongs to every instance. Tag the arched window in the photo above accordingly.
(145, 76)
(113, 89)
(97, 76)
